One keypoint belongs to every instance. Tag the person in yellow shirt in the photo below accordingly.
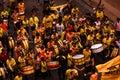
(47, 21)
(55, 16)
(100, 14)
(18, 77)
(90, 38)
(71, 73)
(4, 14)
(33, 22)
(87, 53)
(75, 11)
(23, 31)
(66, 17)
(10, 66)
(106, 41)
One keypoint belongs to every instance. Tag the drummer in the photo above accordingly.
(71, 73)
(87, 53)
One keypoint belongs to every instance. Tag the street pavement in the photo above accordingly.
(111, 7)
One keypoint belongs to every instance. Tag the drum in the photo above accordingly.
(28, 70)
(53, 64)
(97, 48)
(78, 59)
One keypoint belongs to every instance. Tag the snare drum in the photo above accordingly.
(28, 70)
(78, 59)
(97, 48)
(53, 64)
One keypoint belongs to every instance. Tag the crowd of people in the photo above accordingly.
(63, 33)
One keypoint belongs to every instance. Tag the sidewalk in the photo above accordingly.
(111, 8)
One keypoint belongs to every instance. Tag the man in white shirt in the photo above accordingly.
(60, 27)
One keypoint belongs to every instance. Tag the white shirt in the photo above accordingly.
(60, 28)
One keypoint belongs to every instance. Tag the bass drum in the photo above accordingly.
(97, 48)
(78, 59)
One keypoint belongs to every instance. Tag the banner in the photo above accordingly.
(59, 6)
(110, 70)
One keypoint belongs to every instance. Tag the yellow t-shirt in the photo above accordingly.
(33, 21)
(47, 21)
(55, 16)
(66, 18)
(69, 71)
(4, 13)
(87, 54)
(99, 14)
